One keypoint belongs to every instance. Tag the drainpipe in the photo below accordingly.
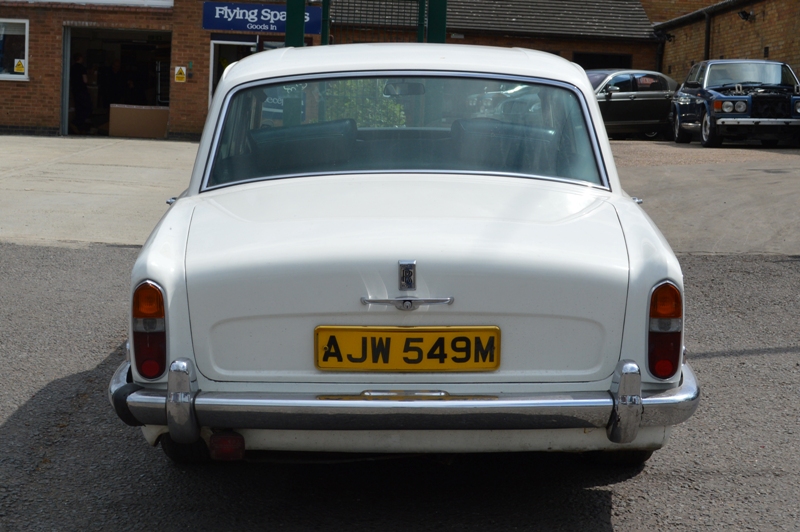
(662, 39)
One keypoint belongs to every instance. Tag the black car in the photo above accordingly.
(633, 101)
(738, 99)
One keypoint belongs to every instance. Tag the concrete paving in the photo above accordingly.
(740, 198)
(78, 190)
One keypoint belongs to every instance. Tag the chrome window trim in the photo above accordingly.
(599, 159)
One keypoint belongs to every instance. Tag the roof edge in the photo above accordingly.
(700, 14)
(651, 37)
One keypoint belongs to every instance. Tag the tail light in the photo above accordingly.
(664, 344)
(227, 445)
(149, 331)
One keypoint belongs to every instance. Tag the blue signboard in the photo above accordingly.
(262, 18)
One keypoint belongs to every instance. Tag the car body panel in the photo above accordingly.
(772, 109)
(303, 252)
(642, 104)
(564, 267)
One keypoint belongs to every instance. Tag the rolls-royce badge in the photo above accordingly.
(408, 274)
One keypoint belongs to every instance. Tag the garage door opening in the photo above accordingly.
(112, 67)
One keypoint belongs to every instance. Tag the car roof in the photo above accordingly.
(608, 72)
(723, 61)
(403, 56)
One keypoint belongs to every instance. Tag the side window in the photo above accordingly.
(787, 78)
(622, 81)
(650, 83)
(701, 74)
(693, 73)
(13, 49)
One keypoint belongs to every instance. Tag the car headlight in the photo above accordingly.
(797, 107)
(727, 107)
(741, 107)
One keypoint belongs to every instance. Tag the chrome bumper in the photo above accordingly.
(758, 122)
(184, 408)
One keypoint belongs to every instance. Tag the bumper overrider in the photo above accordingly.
(183, 408)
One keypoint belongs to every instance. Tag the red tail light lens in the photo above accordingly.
(664, 344)
(226, 445)
(149, 331)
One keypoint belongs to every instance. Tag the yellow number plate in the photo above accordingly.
(426, 349)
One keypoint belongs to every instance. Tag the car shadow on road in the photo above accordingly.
(69, 464)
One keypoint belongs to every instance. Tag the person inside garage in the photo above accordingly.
(82, 100)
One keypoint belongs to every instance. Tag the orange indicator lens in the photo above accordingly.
(148, 302)
(666, 302)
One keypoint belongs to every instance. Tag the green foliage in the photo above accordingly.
(363, 100)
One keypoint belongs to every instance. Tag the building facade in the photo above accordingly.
(733, 29)
(136, 59)
(149, 67)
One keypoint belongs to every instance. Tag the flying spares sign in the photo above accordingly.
(255, 17)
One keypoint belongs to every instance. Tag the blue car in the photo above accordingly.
(737, 99)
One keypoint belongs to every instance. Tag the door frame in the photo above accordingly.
(213, 57)
(66, 65)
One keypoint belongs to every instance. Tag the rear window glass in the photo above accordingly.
(403, 124)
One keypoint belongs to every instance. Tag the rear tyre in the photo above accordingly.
(651, 135)
(679, 135)
(769, 143)
(185, 453)
(708, 133)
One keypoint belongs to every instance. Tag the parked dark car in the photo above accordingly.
(737, 99)
(634, 101)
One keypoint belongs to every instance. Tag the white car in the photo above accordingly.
(367, 261)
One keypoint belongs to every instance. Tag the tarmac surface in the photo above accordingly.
(74, 211)
(77, 190)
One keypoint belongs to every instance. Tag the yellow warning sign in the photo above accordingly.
(19, 66)
(180, 74)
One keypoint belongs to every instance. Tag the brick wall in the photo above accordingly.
(35, 105)
(776, 25)
(664, 10)
(188, 101)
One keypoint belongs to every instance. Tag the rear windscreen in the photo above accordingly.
(404, 124)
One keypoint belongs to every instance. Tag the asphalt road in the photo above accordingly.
(67, 463)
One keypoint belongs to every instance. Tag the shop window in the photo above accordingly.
(13, 49)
